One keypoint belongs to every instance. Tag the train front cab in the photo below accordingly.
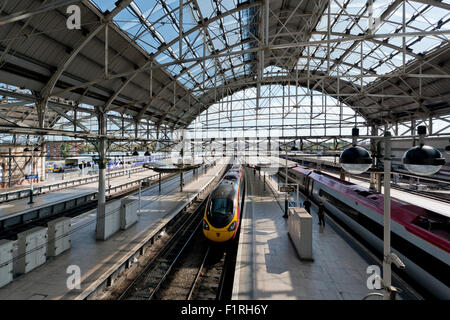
(220, 234)
(226, 231)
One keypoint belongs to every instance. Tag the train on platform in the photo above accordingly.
(419, 236)
(222, 215)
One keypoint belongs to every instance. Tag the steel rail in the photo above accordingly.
(194, 284)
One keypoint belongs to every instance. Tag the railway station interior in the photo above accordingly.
(225, 150)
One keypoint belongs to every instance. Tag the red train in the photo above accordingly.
(420, 237)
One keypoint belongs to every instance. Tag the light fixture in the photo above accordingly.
(135, 152)
(147, 153)
(422, 159)
(447, 149)
(355, 159)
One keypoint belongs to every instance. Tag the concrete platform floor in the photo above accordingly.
(96, 258)
(17, 207)
(268, 266)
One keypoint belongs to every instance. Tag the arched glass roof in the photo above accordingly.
(387, 59)
(153, 23)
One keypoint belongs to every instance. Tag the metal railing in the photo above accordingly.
(25, 193)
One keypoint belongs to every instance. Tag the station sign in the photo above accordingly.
(287, 189)
(28, 177)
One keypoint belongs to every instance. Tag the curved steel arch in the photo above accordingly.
(249, 82)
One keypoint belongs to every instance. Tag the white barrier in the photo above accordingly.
(111, 223)
(6, 262)
(58, 236)
(128, 213)
(32, 249)
(300, 232)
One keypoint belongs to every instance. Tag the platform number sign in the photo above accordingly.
(287, 189)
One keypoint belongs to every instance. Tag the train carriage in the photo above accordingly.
(223, 209)
(420, 237)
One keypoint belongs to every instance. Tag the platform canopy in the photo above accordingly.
(353, 50)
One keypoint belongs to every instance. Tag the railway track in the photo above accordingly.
(215, 280)
(150, 280)
(186, 267)
(201, 273)
(192, 270)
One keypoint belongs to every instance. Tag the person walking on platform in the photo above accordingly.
(321, 214)
(307, 205)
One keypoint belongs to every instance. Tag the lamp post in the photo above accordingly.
(128, 165)
(422, 160)
(31, 169)
(387, 274)
(135, 154)
(357, 160)
(147, 154)
(108, 174)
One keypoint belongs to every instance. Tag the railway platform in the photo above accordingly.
(413, 198)
(268, 266)
(98, 261)
(20, 211)
(77, 179)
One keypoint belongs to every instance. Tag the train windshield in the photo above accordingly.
(232, 177)
(221, 212)
(222, 206)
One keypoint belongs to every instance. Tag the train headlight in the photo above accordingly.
(232, 227)
(355, 160)
(205, 225)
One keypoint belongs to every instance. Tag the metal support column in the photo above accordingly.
(101, 196)
(181, 181)
(387, 216)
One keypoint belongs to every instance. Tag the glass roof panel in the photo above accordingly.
(155, 23)
(104, 5)
(351, 17)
